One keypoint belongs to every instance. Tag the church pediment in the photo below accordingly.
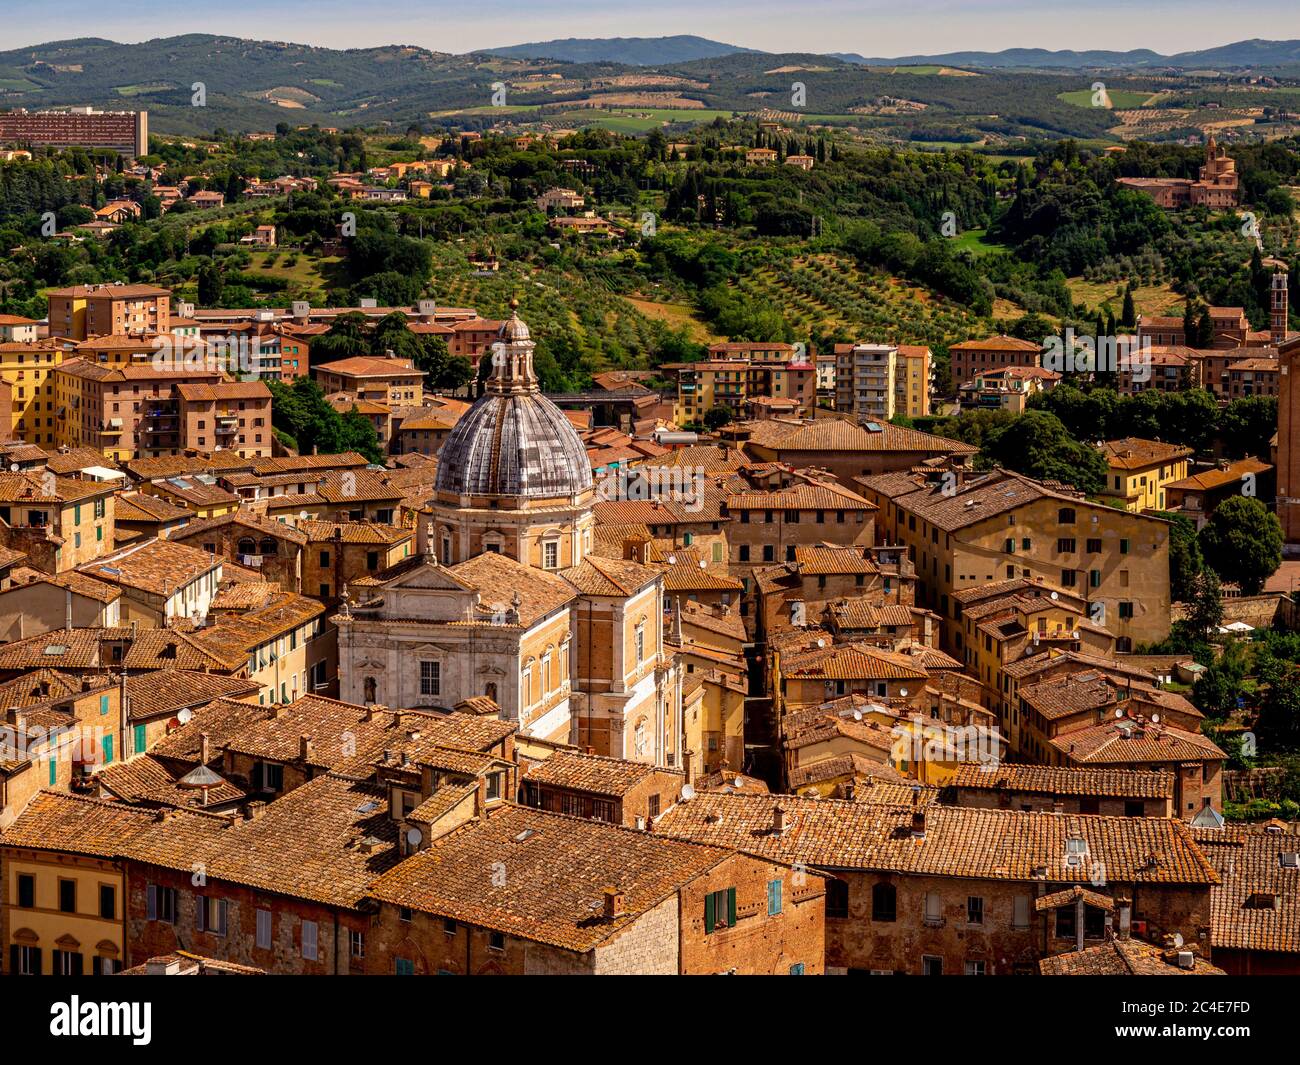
(428, 577)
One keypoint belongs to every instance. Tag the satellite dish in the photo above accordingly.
(821, 643)
(184, 715)
(902, 692)
(688, 792)
(1178, 939)
(13, 466)
(672, 560)
(302, 516)
(1119, 711)
(857, 715)
(414, 836)
(703, 564)
(1056, 595)
(1155, 719)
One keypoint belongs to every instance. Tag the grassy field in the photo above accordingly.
(973, 241)
(143, 89)
(676, 316)
(1147, 299)
(1120, 99)
(313, 272)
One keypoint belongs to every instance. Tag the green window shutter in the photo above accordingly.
(796, 969)
(731, 907)
(99, 532)
(710, 911)
(103, 705)
(1123, 547)
(108, 749)
(773, 897)
(54, 773)
(138, 740)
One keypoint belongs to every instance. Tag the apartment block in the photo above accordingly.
(1002, 526)
(85, 311)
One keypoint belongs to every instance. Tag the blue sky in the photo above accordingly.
(870, 27)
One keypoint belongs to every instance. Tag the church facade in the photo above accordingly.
(1216, 188)
(503, 608)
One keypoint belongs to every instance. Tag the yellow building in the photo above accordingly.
(1003, 526)
(58, 522)
(912, 380)
(1138, 471)
(735, 374)
(28, 369)
(63, 909)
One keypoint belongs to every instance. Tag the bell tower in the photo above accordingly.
(1278, 308)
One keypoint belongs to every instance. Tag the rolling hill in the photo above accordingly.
(1253, 53)
(632, 51)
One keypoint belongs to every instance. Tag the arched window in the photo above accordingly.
(247, 545)
(884, 903)
(268, 546)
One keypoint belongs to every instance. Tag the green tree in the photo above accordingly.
(348, 336)
(357, 433)
(1037, 445)
(212, 283)
(1216, 690)
(1247, 425)
(716, 417)
(1242, 542)
(1205, 604)
(1278, 724)
(1185, 561)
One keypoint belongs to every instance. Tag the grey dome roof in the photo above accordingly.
(513, 441)
(514, 445)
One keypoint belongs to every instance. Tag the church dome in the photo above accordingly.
(513, 441)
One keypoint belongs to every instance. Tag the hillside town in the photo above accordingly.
(811, 693)
(397, 634)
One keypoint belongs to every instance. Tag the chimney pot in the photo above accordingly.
(614, 902)
(305, 748)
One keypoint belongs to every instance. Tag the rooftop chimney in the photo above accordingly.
(778, 820)
(918, 823)
(204, 750)
(306, 749)
(614, 902)
(1125, 907)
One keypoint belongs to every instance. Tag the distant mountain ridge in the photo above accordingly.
(1252, 53)
(632, 51)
